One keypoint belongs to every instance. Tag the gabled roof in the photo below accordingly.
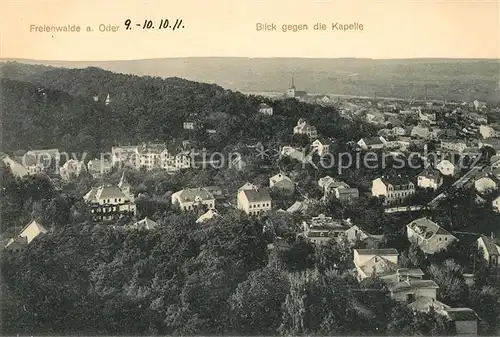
(423, 303)
(257, 195)
(35, 229)
(190, 194)
(247, 186)
(379, 265)
(280, 177)
(461, 314)
(490, 245)
(427, 228)
(145, 223)
(430, 173)
(211, 213)
(372, 141)
(324, 141)
(412, 285)
(109, 191)
(298, 206)
(380, 252)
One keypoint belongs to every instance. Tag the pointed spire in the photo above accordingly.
(123, 181)
(108, 99)
(293, 84)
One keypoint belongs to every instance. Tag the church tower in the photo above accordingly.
(124, 186)
(291, 91)
(108, 100)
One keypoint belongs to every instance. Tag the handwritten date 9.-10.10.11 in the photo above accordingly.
(162, 24)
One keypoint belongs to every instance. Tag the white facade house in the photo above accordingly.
(321, 146)
(99, 167)
(377, 262)
(485, 184)
(430, 178)
(490, 250)
(191, 198)
(394, 190)
(71, 168)
(453, 145)
(372, 143)
(254, 201)
(109, 202)
(429, 236)
(411, 290)
(304, 128)
(447, 168)
(265, 109)
(282, 182)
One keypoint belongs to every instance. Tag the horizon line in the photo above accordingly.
(261, 58)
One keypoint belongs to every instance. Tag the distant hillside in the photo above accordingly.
(66, 108)
(452, 79)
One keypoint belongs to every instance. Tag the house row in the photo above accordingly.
(409, 286)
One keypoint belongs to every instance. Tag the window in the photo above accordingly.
(440, 239)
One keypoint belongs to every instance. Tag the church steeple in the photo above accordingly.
(124, 185)
(293, 84)
(108, 100)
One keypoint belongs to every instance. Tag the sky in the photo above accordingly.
(227, 28)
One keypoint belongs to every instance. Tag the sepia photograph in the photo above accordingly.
(249, 168)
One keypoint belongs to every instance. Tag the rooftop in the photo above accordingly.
(427, 228)
(381, 252)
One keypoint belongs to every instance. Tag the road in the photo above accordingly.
(457, 184)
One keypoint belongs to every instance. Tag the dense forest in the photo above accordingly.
(55, 108)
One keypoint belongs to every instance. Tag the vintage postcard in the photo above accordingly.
(239, 167)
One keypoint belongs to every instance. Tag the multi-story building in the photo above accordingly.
(320, 229)
(394, 189)
(304, 128)
(191, 198)
(429, 236)
(125, 156)
(430, 178)
(321, 146)
(453, 145)
(109, 202)
(253, 200)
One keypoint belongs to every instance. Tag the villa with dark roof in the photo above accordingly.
(253, 200)
(109, 202)
(395, 189)
(430, 237)
(190, 198)
(430, 178)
